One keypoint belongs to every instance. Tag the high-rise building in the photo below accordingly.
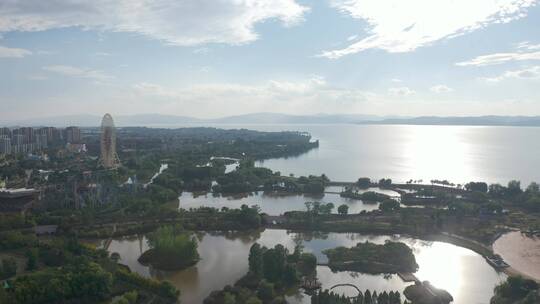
(28, 133)
(73, 135)
(109, 158)
(5, 144)
(5, 132)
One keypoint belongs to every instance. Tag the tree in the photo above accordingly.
(514, 188)
(256, 260)
(514, 290)
(274, 263)
(266, 291)
(533, 188)
(385, 182)
(477, 186)
(363, 182)
(253, 300)
(497, 190)
(307, 263)
(343, 209)
(9, 268)
(290, 276)
(229, 298)
(31, 257)
(389, 205)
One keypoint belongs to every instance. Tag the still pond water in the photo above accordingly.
(224, 259)
(278, 204)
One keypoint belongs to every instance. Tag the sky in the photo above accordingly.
(214, 58)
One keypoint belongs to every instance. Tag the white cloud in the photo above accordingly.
(6, 52)
(526, 45)
(440, 88)
(500, 58)
(403, 26)
(187, 22)
(401, 91)
(310, 95)
(201, 51)
(72, 71)
(527, 73)
(396, 80)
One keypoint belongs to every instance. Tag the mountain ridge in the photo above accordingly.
(164, 120)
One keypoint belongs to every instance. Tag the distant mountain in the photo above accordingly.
(519, 121)
(154, 119)
(277, 118)
(170, 120)
(87, 120)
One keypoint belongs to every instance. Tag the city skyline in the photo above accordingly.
(291, 56)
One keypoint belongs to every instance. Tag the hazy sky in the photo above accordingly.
(212, 58)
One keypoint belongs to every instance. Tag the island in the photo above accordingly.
(391, 257)
(172, 249)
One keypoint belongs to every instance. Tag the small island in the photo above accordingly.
(366, 197)
(392, 257)
(425, 293)
(172, 249)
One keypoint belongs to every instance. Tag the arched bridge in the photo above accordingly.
(349, 285)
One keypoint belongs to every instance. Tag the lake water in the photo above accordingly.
(278, 204)
(456, 153)
(224, 259)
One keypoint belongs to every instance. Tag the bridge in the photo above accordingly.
(347, 285)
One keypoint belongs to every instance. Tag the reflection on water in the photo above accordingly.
(462, 272)
(457, 153)
(271, 203)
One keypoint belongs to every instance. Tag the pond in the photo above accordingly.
(224, 259)
(273, 204)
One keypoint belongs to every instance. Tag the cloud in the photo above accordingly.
(77, 72)
(187, 22)
(309, 95)
(440, 88)
(401, 91)
(398, 26)
(528, 73)
(6, 52)
(526, 45)
(500, 58)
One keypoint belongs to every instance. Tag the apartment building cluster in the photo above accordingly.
(29, 140)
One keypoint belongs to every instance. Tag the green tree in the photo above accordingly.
(31, 262)
(290, 275)
(266, 291)
(256, 259)
(363, 182)
(9, 268)
(389, 205)
(514, 188)
(343, 209)
(229, 298)
(253, 300)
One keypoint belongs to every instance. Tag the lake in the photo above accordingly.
(401, 152)
(275, 204)
(224, 259)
